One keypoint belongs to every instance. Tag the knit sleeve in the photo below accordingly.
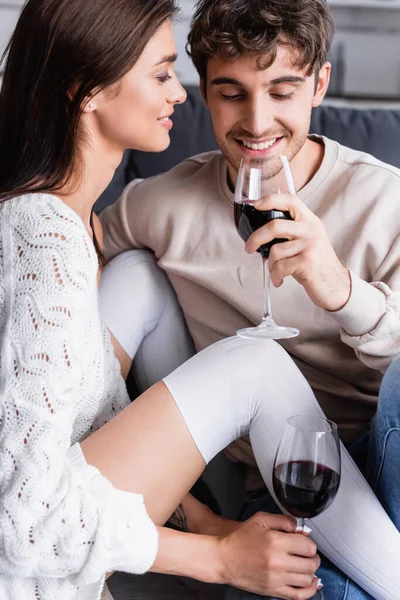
(59, 517)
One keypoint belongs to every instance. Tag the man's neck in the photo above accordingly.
(306, 163)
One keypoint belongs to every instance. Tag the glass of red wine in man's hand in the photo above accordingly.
(254, 183)
(307, 468)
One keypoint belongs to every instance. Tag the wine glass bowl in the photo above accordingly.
(307, 468)
(248, 219)
(306, 474)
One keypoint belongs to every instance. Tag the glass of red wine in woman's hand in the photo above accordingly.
(307, 468)
(254, 183)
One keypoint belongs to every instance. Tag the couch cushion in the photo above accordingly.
(375, 131)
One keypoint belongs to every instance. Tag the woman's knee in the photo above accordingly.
(260, 359)
(136, 271)
(134, 295)
(265, 374)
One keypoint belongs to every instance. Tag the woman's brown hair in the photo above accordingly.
(59, 46)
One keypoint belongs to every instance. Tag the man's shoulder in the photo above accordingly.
(364, 165)
(180, 179)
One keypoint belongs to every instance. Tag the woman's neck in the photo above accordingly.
(96, 170)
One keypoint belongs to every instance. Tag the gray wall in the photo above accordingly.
(365, 55)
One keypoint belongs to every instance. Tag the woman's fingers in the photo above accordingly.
(299, 593)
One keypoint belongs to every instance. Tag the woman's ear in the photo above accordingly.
(89, 106)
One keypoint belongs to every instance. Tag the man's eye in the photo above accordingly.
(232, 98)
(282, 96)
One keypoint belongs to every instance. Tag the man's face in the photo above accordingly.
(261, 113)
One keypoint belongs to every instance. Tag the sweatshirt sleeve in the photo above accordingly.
(59, 517)
(370, 321)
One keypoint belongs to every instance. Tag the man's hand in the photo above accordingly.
(265, 555)
(307, 256)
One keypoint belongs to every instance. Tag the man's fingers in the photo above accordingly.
(285, 250)
(285, 202)
(277, 229)
(284, 268)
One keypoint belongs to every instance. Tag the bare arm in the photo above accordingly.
(194, 517)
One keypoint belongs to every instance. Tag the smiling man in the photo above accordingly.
(263, 68)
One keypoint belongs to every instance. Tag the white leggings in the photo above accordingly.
(241, 386)
(140, 308)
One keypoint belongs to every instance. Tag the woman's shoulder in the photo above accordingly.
(41, 233)
(43, 221)
(33, 211)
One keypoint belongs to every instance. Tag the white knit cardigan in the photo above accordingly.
(62, 524)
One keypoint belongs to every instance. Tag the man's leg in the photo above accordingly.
(383, 470)
(384, 451)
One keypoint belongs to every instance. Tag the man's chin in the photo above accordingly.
(270, 166)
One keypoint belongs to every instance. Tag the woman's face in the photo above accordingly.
(135, 112)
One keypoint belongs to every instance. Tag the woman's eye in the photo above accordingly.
(164, 78)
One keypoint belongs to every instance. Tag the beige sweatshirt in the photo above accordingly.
(186, 218)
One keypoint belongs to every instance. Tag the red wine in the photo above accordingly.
(304, 488)
(248, 219)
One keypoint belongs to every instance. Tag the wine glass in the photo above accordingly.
(252, 185)
(307, 467)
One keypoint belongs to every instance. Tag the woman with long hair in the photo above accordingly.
(87, 480)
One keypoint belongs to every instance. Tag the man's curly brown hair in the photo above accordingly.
(233, 28)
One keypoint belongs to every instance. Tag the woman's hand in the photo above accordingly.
(266, 556)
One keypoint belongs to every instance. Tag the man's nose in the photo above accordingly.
(259, 117)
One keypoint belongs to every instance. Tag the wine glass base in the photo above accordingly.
(268, 332)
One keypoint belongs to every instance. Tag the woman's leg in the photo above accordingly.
(140, 308)
(159, 445)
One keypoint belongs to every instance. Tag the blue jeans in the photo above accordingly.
(377, 454)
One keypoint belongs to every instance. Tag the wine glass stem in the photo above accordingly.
(267, 318)
(301, 522)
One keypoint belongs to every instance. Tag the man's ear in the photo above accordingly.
(322, 83)
(203, 90)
